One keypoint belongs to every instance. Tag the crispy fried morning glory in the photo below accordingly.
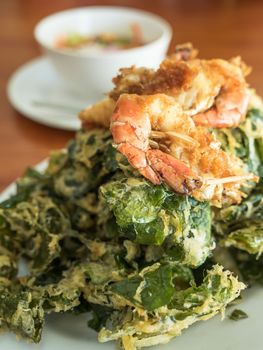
(155, 215)
(95, 236)
(154, 286)
(245, 141)
(137, 327)
(248, 238)
(21, 311)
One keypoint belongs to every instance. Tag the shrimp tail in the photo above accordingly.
(174, 172)
(228, 112)
(138, 160)
(213, 119)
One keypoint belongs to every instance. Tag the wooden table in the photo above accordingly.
(217, 28)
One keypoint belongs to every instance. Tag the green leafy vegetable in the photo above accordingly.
(248, 238)
(250, 269)
(22, 313)
(250, 208)
(237, 315)
(153, 287)
(187, 306)
(156, 216)
(245, 140)
(97, 237)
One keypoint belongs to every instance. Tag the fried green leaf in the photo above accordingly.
(187, 306)
(243, 141)
(22, 313)
(96, 236)
(248, 238)
(155, 215)
(153, 287)
(237, 315)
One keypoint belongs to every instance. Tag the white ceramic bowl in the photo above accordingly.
(91, 73)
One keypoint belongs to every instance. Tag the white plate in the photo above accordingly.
(67, 332)
(36, 91)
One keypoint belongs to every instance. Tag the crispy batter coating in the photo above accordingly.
(98, 115)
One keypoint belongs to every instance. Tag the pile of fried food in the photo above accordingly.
(151, 219)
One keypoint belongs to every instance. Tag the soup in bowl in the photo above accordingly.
(88, 45)
(101, 42)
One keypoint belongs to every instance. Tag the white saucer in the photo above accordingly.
(36, 91)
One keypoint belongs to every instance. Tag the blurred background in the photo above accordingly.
(218, 28)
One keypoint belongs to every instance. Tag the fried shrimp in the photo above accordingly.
(131, 124)
(162, 120)
(165, 145)
(231, 104)
(214, 92)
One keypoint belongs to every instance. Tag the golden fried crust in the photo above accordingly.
(97, 115)
(238, 62)
(142, 81)
(132, 81)
(185, 52)
(173, 74)
(176, 74)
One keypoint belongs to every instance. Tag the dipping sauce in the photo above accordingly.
(101, 42)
